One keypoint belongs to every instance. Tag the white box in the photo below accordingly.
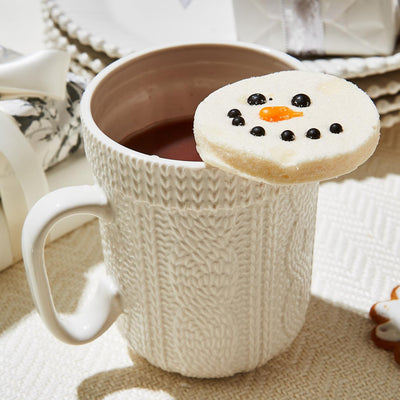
(303, 27)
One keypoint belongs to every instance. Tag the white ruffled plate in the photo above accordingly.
(380, 85)
(116, 27)
(85, 58)
(384, 89)
(355, 67)
(390, 119)
(388, 104)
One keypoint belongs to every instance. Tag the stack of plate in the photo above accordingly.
(89, 54)
(96, 33)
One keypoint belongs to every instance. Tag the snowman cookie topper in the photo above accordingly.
(287, 127)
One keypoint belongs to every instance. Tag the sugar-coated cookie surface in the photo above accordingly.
(387, 315)
(287, 127)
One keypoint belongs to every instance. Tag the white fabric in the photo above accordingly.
(20, 187)
(13, 209)
(302, 23)
(43, 73)
(72, 171)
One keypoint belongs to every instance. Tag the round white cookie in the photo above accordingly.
(287, 127)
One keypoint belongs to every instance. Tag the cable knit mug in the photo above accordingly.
(208, 273)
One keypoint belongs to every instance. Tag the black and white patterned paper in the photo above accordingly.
(51, 126)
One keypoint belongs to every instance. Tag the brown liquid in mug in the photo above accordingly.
(169, 139)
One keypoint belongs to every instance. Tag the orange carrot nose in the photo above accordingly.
(275, 114)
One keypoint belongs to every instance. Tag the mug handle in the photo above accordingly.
(99, 314)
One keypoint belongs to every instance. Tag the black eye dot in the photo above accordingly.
(258, 131)
(288, 136)
(301, 100)
(336, 128)
(238, 121)
(234, 113)
(313, 133)
(256, 99)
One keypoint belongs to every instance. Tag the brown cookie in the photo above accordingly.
(387, 316)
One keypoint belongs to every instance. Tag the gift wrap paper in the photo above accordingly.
(51, 126)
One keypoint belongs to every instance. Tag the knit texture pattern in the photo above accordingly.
(356, 263)
(214, 270)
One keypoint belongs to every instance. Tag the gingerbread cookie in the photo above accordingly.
(387, 315)
(287, 127)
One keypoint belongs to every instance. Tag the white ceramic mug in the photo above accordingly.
(209, 273)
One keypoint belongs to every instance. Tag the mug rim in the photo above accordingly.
(85, 105)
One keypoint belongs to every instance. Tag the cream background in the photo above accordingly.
(357, 262)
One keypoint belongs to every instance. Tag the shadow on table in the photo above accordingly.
(67, 260)
(332, 358)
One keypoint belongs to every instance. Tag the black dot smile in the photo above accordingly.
(336, 128)
(258, 131)
(313, 133)
(238, 121)
(288, 136)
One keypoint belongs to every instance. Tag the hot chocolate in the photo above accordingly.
(171, 139)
